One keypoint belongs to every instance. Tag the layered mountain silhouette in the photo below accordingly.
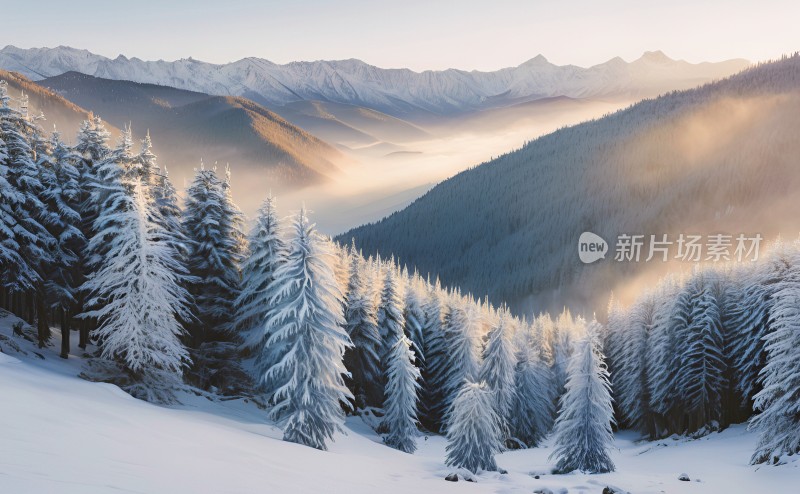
(721, 158)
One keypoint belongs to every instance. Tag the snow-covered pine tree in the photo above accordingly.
(436, 360)
(390, 310)
(113, 177)
(363, 358)
(307, 324)
(234, 217)
(214, 255)
(749, 306)
(474, 431)
(92, 141)
(630, 380)
(63, 196)
(267, 252)
(532, 409)
(498, 367)
(560, 342)
(402, 387)
(147, 162)
(29, 212)
(10, 258)
(614, 340)
(670, 312)
(462, 344)
(414, 316)
(92, 145)
(701, 378)
(583, 433)
(779, 400)
(135, 294)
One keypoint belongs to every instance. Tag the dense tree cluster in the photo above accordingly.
(698, 353)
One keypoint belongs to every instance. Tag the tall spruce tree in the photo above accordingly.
(92, 146)
(214, 255)
(402, 386)
(631, 381)
(701, 378)
(135, 291)
(463, 353)
(532, 408)
(363, 358)
(436, 360)
(779, 401)
(267, 252)
(583, 433)
(474, 431)
(307, 325)
(63, 196)
(390, 309)
(498, 368)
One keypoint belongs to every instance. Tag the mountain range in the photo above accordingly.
(188, 126)
(401, 93)
(721, 158)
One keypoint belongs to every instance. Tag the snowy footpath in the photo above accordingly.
(62, 434)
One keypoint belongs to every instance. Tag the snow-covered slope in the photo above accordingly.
(398, 92)
(62, 434)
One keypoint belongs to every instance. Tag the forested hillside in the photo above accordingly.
(722, 157)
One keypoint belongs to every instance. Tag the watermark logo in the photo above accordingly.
(686, 248)
(591, 247)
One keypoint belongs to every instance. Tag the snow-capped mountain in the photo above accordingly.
(397, 92)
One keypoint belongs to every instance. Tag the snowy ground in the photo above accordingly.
(59, 433)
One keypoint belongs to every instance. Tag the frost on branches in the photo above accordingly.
(583, 433)
(307, 326)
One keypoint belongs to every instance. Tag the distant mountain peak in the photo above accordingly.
(537, 60)
(656, 56)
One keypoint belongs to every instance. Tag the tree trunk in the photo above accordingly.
(64, 333)
(83, 337)
(41, 322)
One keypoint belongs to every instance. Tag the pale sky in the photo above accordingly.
(418, 34)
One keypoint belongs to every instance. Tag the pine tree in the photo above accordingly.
(462, 345)
(670, 312)
(498, 368)
(436, 360)
(92, 146)
(37, 245)
(749, 306)
(414, 316)
(363, 358)
(532, 416)
(390, 310)
(63, 196)
(9, 245)
(631, 381)
(135, 291)
(146, 161)
(267, 253)
(701, 376)
(474, 431)
(306, 324)
(214, 255)
(561, 336)
(402, 386)
(583, 429)
(779, 401)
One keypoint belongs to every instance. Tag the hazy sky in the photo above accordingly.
(418, 34)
